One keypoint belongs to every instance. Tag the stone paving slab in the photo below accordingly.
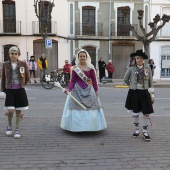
(45, 146)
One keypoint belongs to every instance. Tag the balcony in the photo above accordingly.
(10, 27)
(89, 29)
(122, 30)
(38, 26)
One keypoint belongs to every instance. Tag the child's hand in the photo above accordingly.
(97, 93)
(66, 91)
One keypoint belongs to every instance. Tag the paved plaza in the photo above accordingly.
(45, 146)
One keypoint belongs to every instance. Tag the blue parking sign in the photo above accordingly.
(48, 43)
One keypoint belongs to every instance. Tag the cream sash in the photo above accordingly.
(82, 75)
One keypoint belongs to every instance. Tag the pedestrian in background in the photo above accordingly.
(43, 66)
(32, 66)
(139, 79)
(15, 75)
(83, 86)
(66, 67)
(102, 66)
(73, 61)
(110, 69)
(152, 66)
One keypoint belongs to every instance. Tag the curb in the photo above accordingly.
(115, 85)
(121, 86)
(124, 86)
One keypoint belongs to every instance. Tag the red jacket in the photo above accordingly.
(67, 68)
(110, 67)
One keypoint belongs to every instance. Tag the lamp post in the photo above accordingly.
(43, 10)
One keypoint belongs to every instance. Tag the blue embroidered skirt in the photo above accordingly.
(82, 120)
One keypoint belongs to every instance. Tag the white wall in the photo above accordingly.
(155, 53)
(155, 47)
(60, 15)
(25, 13)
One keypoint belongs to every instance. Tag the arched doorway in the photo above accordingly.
(92, 52)
(51, 54)
(6, 50)
(120, 56)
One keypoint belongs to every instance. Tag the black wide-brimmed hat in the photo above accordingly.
(139, 53)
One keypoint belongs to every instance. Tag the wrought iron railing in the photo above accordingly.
(39, 27)
(89, 29)
(122, 30)
(10, 27)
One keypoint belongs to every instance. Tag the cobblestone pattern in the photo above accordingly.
(45, 146)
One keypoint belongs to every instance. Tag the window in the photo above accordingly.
(165, 31)
(88, 20)
(92, 52)
(163, 57)
(45, 22)
(165, 62)
(9, 17)
(122, 26)
(6, 50)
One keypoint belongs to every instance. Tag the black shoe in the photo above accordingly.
(136, 134)
(146, 136)
(29, 81)
(35, 81)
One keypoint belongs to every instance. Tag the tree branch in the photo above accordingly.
(35, 6)
(133, 29)
(153, 27)
(156, 31)
(141, 27)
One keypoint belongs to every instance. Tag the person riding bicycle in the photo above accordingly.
(66, 67)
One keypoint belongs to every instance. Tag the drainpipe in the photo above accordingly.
(149, 19)
(150, 12)
(109, 29)
(26, 30)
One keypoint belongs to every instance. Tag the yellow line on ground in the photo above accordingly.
(121, 86)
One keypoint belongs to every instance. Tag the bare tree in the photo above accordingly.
(146, 38)
(43, 14)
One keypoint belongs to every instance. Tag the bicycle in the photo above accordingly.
(63, 78)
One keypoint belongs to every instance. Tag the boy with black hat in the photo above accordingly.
(139, 78)
(15, 76)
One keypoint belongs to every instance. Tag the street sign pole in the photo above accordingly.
(48, 46)
(48, 43)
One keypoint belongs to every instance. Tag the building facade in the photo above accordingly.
(98, 26)
(20, 26)
(160, 48)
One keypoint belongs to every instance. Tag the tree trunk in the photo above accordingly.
(146, 48)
